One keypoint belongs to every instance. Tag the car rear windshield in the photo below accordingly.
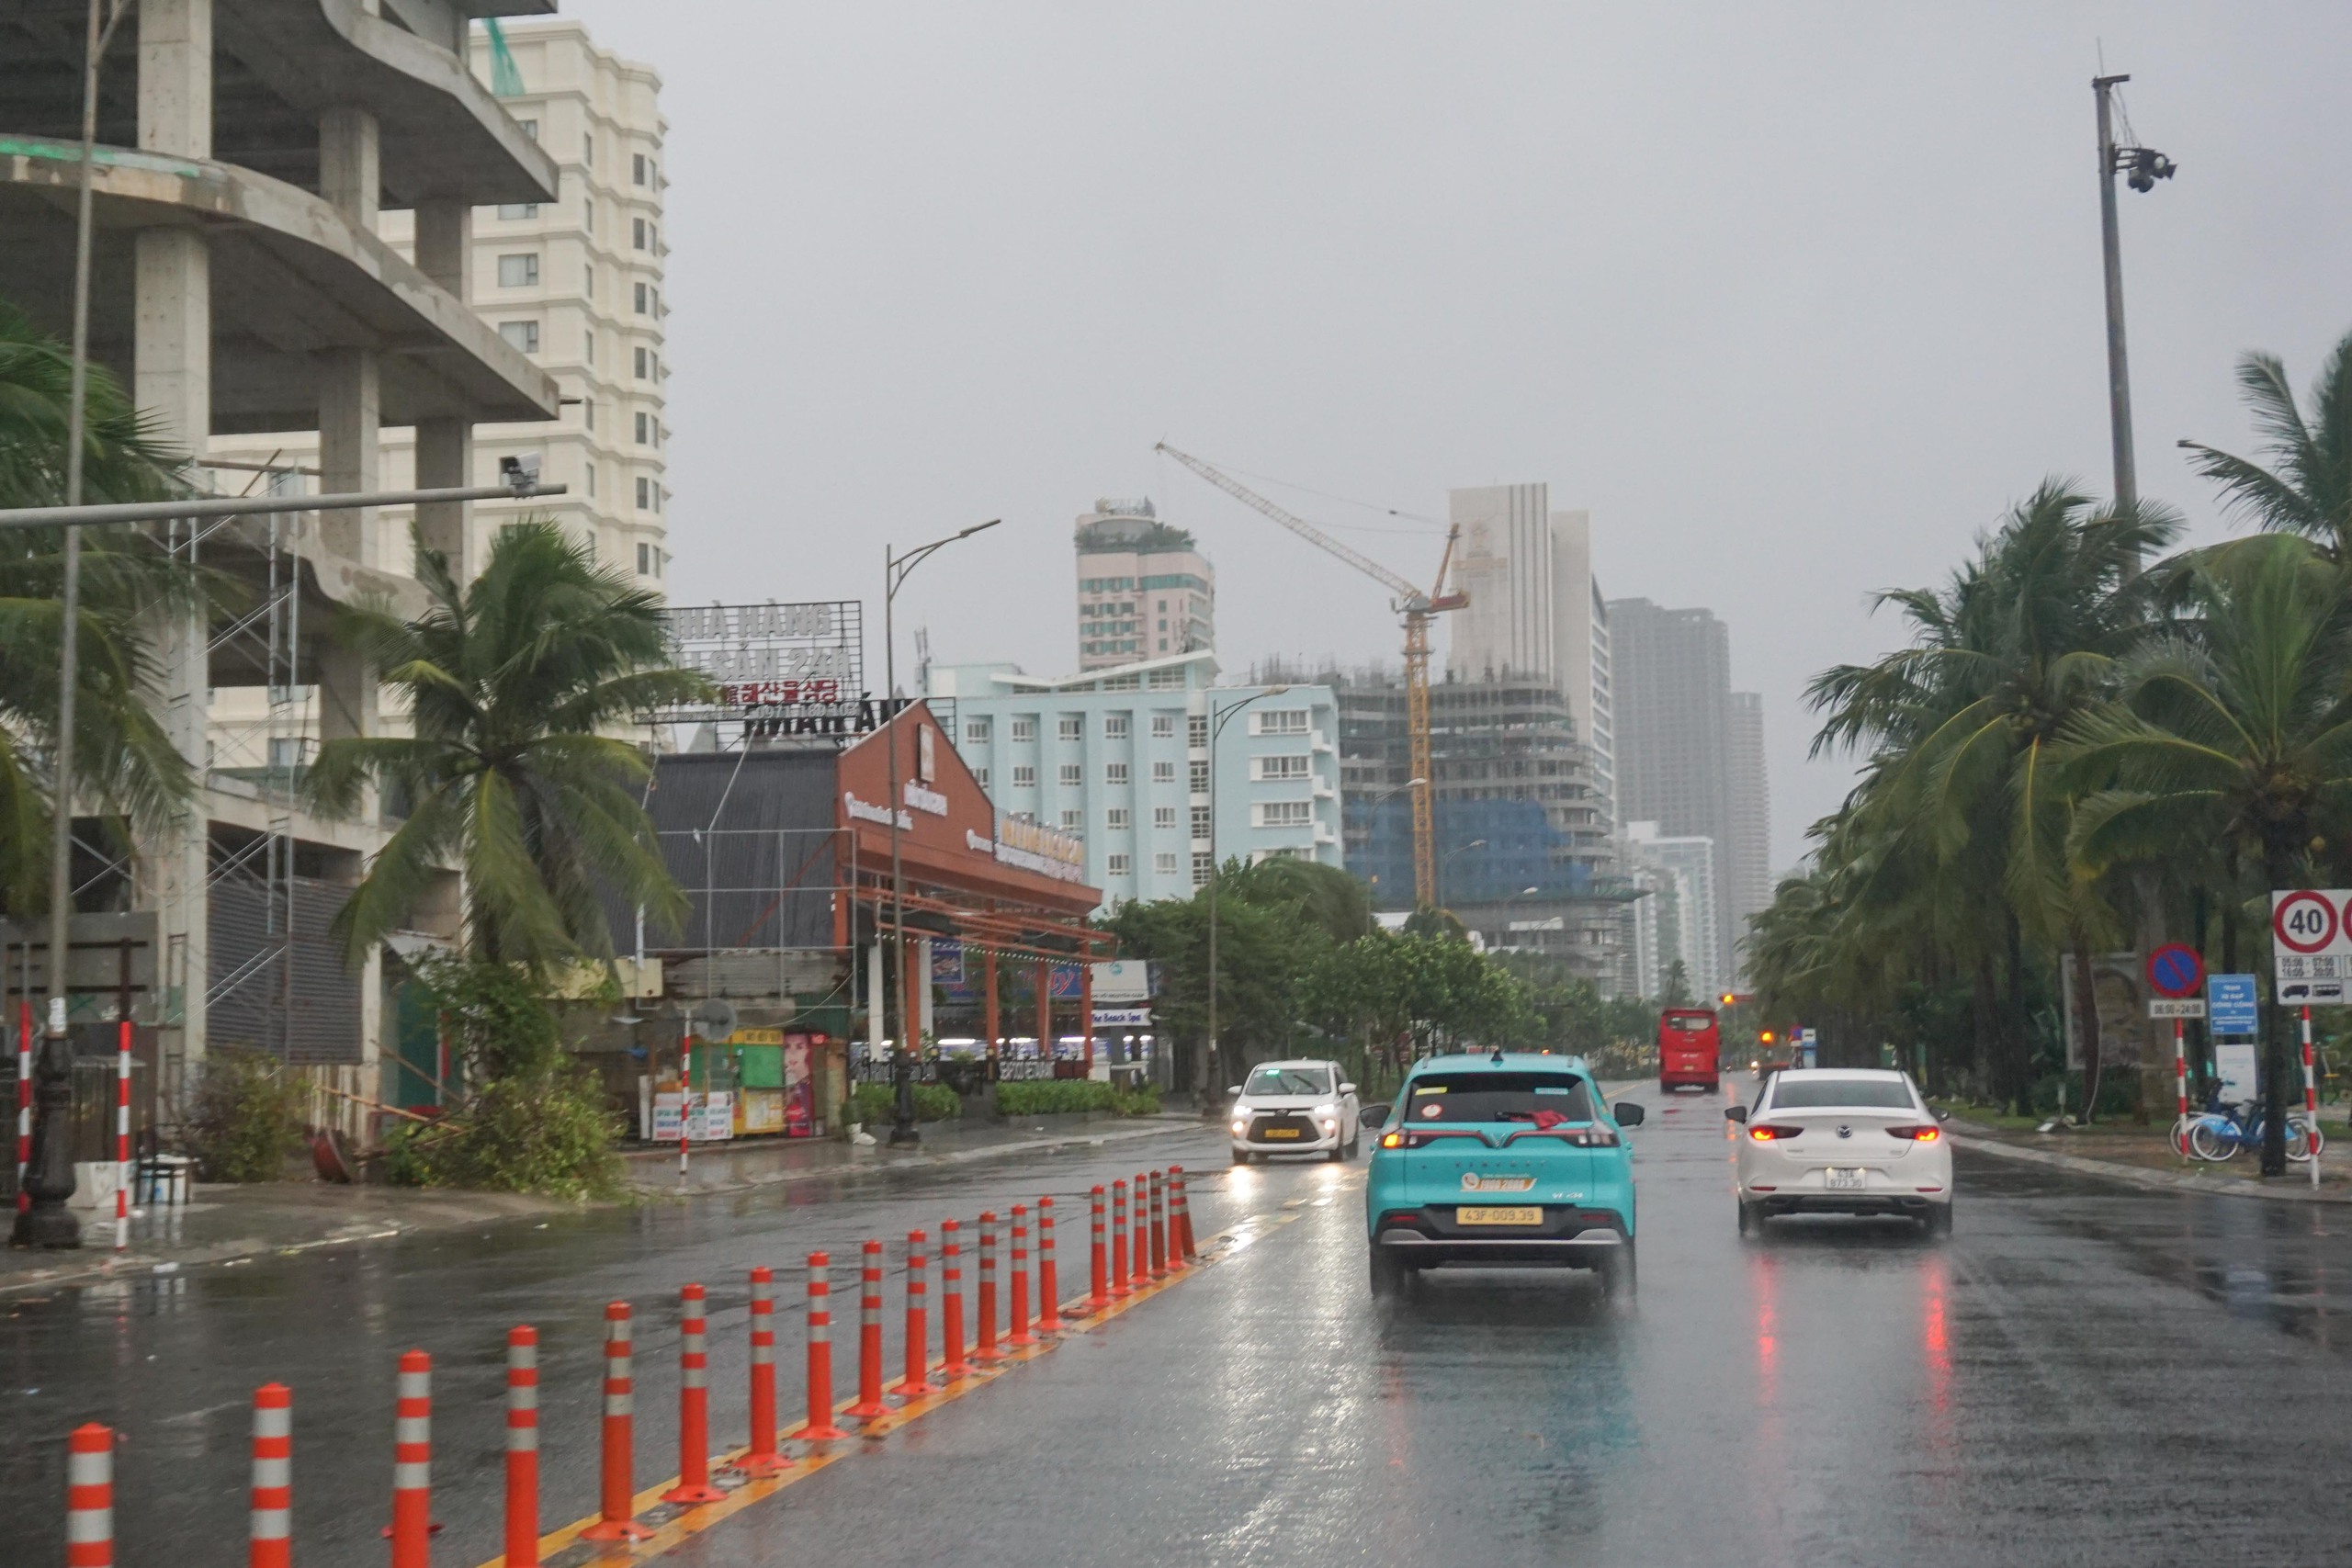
(1289, 1080)
(1690, 1022)
(1805, 1094)
(1497, 1097)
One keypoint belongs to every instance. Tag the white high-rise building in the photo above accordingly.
(1693, 935)
(578, 285)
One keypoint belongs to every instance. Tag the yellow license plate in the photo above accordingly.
(1282, 1132)
(1496, 1216)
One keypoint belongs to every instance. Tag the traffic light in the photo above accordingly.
(1728, 999)
(1766, 1037)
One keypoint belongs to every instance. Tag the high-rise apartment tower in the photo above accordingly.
(1144, 588)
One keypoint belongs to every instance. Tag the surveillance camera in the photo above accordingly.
(520, 473)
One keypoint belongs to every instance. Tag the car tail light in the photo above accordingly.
(1922, 1134)
(1592, 1138)
(1392, 1140)
(1766, 1133)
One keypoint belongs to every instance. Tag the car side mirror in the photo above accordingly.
(1735, 1113)
(1943, 1115)
(1373, 1116)
(1628, 1114)
(1347, 1089)
(1233, 1088)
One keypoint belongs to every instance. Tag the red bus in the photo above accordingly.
(1689, 1049)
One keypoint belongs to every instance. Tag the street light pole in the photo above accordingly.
(48, 1170)
(895, 569)
(1437, 892)
(2145, 166)
(1218, 718)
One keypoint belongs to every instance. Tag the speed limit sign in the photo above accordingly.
(2310, 944)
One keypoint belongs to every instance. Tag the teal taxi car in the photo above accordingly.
(1503, 1160)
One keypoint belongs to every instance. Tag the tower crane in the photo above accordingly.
(1417, 608)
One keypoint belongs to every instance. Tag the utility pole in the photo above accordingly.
(1218, 718)
(2143, 166)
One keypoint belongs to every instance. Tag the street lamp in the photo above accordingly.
(1438, 892)
(1218, 718)
(2143, 167)
(895, 569)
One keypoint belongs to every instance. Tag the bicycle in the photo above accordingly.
(2221, 1130)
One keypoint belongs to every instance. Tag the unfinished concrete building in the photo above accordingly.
(247, 150)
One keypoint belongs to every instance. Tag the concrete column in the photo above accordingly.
(175, 77)
(348, 426)
(349, 176)
(445, 448)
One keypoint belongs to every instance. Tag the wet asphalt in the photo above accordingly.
(2082, 1374)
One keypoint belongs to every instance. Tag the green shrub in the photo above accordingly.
(247, 1119)
(877, 1104)
(544, 1132)
(1055, 1097)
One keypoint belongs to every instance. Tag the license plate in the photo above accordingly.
(1846, 1179)
(1498, 1216)
(1282, 1133)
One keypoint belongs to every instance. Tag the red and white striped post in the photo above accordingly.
(89, 1498)
(951, 1300)
(1049, 1289)
(918, 1328)
(2310, 1098)
(1180, 1215)
(522, 1447)
(122, 1132)
(1159, 1227)
(270, 1539)
(870, 1336)
(693, 1403)
(1098, 1285)
(759, 1456)
(985, 1350)
(686, 1098)
(2180, 1090)
(24, 1099)
(1017, 1319)
(411, 1530)
(820, 1428)
(1119, 1286)
(616, 1488)
(1141, 1225)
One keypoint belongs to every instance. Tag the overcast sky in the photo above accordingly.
(1794, 297)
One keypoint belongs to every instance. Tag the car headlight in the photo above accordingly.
(1325, 1111)
(1240, 1128)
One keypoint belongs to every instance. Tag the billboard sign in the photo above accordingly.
(781, 669)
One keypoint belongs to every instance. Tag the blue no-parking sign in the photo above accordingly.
(2230, 1001)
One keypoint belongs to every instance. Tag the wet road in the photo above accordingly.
(2082, 1375)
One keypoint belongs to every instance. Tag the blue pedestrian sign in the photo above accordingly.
(2231, 1003)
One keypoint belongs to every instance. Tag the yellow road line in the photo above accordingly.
(813, 1456)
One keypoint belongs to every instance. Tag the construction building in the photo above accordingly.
(1122, 758)
(1144, 588)
(244, 284)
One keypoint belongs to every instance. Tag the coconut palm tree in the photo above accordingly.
(2020, 641)
(513, 682)
(125, 764)
(2234, 730)
(2307, 489)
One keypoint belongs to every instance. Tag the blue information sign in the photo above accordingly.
(2230, 1003)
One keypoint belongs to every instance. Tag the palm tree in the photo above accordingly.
(125, 762)
(2236, 730)
(508, 776)
(2308, 487)
(2020, 641)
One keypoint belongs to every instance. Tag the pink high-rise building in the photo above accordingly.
(1144, 588)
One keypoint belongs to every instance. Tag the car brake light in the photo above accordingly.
(1592, 1138)
(1765, 1135)
(1928, 1134)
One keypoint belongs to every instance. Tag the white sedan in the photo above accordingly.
(1841, 1141)
(1295, 1108)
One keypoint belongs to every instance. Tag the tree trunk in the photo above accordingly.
(2087, 1022)
(1985, 1017)
(2017, 1026)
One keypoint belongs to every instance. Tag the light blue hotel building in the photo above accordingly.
(1123, 758)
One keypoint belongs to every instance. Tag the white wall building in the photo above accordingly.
(1689, 861)
(1122, 757)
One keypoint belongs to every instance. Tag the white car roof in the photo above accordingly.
(1300, 1062)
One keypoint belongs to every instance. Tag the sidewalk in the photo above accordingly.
(227, 1224)
(2142, 1157)
(732, 1168)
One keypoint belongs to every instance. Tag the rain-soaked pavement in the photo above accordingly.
(2082, 1374)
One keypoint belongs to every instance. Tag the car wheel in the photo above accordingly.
(1939, 1220)
(1242, 1157)
(1388, 1274)
(1355, 1144)
(1618, 1275)
(1751, 1222)
(1715, 1086)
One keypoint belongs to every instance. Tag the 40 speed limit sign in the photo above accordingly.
(2310, 944)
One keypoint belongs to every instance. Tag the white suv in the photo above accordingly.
(1295, 1108)
(1841, 1141)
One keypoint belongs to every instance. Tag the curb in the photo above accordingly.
(883, 1164)
(2151, 1180)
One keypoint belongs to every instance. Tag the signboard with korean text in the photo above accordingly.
(2310, 946)
(781, 669)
